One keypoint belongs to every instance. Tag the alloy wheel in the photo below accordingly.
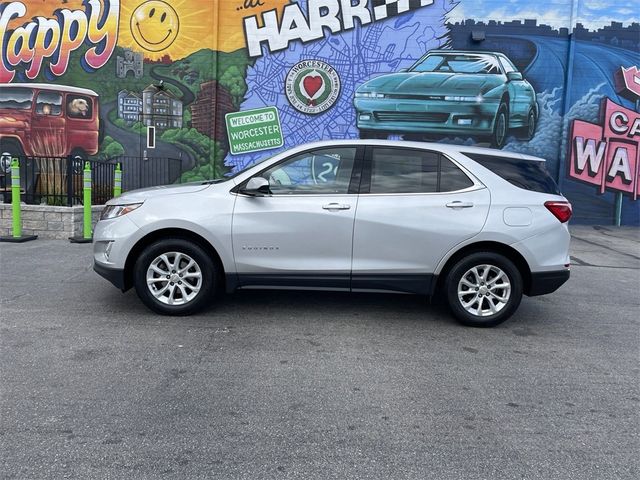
(484, 290)
(174, 278)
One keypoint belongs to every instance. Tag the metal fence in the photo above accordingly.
(58, 180)
(142, 172)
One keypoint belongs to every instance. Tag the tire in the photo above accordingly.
(500, 127)
(527, 132)
(28, 170)
(492, 268)
(180, 305)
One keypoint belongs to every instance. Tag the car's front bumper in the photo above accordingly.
(424, 116)
(112, 242)
(114, 275)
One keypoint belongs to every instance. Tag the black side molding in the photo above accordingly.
(547, 282)
(421, 284)
(293, 280)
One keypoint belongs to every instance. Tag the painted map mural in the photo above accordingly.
(197, 89)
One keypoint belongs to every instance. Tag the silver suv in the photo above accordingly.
(479, 226)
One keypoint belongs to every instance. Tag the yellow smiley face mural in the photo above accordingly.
(154, 25)
(177, 28)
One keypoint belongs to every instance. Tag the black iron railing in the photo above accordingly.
(59, 180)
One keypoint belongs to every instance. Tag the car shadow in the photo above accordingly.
(295, 304)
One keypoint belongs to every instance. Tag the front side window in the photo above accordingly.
(323, 171)
(49, 103)
(79, 106)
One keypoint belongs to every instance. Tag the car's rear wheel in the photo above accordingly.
(528, 131)
(175, 277)
(483, 289)
(500, 127)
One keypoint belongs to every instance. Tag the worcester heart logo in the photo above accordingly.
(312, 86)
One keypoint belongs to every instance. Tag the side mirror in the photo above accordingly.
(256, 187)
(511, 76)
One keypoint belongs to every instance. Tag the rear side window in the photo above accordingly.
(452, 178)
(526, 174)
(401, 170)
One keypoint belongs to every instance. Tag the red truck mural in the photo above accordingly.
(48, 120)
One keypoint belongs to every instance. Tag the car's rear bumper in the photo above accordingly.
(547, 282)
(114, 275)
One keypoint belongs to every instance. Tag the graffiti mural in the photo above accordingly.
(218, 85)
(606, 155)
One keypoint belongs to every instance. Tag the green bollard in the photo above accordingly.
(87, 201)
(117, 182)
(618, 214)
(86, 208)
(16, 236)
(15, 198)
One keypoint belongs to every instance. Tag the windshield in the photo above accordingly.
(231, 175)
(458, 63)
(16, 97)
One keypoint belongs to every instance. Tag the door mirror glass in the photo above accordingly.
(257, 186)
(511, 76)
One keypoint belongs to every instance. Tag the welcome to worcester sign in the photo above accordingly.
(608, 154)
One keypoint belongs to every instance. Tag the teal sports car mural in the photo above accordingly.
(449, 92)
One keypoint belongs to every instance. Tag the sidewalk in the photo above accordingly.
(605, 246)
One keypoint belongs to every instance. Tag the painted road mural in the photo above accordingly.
(219, 85)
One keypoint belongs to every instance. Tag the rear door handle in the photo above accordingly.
(459, 204)
(336, 206)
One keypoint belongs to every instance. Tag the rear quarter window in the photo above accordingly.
(526, 174)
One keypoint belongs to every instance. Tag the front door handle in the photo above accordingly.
(332, 207)
(459, 204)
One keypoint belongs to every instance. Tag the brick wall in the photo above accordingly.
(48, 222)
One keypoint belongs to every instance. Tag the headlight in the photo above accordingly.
(113, 211)
(455, 98)
(369, 95)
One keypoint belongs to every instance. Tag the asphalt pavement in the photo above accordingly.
(305, 385)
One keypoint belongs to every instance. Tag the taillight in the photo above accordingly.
(561, 210)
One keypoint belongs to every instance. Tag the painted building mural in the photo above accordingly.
(223, 84)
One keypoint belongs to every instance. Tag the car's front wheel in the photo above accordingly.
(483, 289)
(500, 127)
(175, 277)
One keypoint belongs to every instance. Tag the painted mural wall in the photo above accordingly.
(222, 84)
